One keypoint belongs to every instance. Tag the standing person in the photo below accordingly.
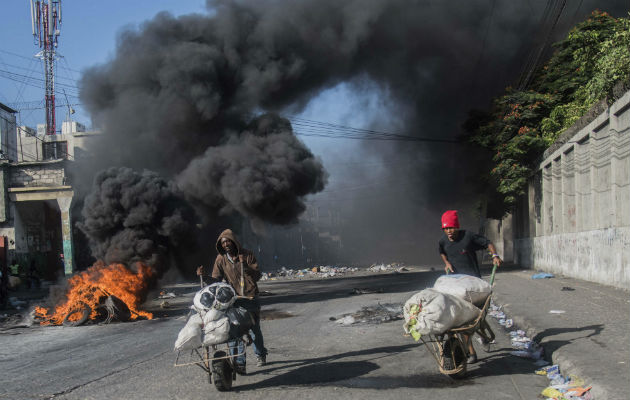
(227, 266)
(458, 251)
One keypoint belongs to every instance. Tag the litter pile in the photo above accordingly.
(372, 315)
(314, 272)
(564, 388)
(398, 267)
(216, 318)
(560, 387)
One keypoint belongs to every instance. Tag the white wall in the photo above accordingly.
(577, 220)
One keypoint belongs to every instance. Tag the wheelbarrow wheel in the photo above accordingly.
(453, 358)
(221, 372)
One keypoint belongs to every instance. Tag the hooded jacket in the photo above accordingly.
(231, 270)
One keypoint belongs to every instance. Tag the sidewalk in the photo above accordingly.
(590, 339)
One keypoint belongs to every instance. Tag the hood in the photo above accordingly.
(230, 235)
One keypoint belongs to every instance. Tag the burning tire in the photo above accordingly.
(83, 312)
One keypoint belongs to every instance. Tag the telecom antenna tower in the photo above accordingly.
(45, 22)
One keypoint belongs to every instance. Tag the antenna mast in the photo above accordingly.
(45, 23)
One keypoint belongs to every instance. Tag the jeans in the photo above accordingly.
(257, 338)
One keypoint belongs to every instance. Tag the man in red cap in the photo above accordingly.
(458, 247)
(458, 251)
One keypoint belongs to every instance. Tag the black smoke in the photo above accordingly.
(179, 94)
(262, 173)
(134, 216)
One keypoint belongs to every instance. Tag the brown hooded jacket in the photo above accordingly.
(231, 270)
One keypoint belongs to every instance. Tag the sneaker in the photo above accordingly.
(472, 359)
(261, 361)
(240, 369)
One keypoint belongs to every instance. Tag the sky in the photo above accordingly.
(413, 72)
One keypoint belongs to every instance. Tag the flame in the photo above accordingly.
(90, 287)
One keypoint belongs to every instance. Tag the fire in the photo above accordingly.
(90, 287)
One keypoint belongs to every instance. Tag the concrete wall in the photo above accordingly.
(38, 174)
(575, 219)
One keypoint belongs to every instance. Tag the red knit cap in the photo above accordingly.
(450, 220)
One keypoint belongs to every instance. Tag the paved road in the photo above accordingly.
(310, 355)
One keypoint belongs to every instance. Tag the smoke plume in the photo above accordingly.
(179, 96)
(131, 216)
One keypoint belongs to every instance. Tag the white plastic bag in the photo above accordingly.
(467, 287)
(190, 335)
(438, 313)
(217, 331)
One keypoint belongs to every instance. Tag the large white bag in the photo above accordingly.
(218, 296)
(466, 287)
(190, 335)
(438, 312)
(217, 331)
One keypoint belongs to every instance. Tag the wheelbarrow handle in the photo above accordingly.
(494, 270)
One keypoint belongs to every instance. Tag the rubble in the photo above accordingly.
(314, 272)
(372, 315)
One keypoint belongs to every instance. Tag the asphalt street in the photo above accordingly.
(312, 355)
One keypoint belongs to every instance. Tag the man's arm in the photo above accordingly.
(496, 260)
(448, 267)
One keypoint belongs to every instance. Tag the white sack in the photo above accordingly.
(216, 332)
(439, 312)
(466, 287)
(211, 290)
(190, 335)
(212, 315)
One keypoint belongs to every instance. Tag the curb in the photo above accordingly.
(564, 361)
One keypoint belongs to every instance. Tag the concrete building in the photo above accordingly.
(575, 219)
(36, 196)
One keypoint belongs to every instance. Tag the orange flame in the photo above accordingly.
(89, 287)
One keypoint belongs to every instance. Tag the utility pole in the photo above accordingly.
(45, 24)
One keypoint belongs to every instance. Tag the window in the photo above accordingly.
(55, 150)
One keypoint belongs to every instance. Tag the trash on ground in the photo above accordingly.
(366, 291)
(543, 275)
(314, 272)
(165, 295)
(561, 387)
(556, 311)
(387, 267)
(567, 289)
(372, 315)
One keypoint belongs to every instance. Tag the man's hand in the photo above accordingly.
(200, 270)
(496, 260)
(241, 258)
(448, 268)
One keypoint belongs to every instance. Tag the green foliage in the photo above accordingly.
(522, 124)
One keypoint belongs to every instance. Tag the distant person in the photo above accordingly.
(33, 276)
(458, 251)
(227, 266)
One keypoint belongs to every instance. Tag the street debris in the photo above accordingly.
(315, 272)
(560, 387)
(556, 311)
(398, 267)
(543, 275)
(567, 289)
(165, 295)
(372, 315)
(565, 388)
(366, 291)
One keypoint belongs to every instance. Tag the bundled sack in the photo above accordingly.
(190, 335)
(466, 287)
(431, 312)
(216, 332)
(241, 321)
(218, 296)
